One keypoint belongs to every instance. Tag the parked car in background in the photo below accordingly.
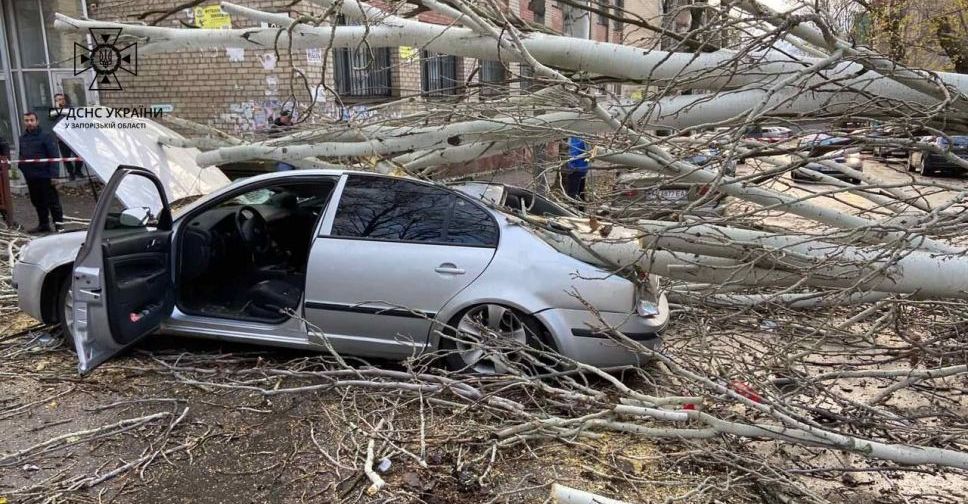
(927, 162)
(652, 196)
(830, 148)
(769, 134)
(383, 266)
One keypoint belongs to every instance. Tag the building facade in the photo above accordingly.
(242, 91)
(36, 61)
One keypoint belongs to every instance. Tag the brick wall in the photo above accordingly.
(204, 85)
(242, 97)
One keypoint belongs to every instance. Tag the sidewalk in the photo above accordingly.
(76, 199)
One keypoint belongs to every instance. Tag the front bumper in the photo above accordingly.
(580, 335)
(28, 279)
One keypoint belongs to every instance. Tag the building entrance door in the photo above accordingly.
(75, 87)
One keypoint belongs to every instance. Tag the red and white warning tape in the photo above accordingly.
(44, 160)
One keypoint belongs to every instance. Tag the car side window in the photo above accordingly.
(471, 225)
(381, 208)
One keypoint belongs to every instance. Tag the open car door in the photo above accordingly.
(123, 285)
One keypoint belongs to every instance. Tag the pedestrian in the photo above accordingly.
(577, 168)
(57, 114)
(280, 127)
(36, 143)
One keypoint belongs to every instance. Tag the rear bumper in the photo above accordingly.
(28, 279)
(579, 335)
(899, 153)
(937, 162)
(830, 173)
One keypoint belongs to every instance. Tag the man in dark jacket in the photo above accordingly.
(57, 114)
(36, 143)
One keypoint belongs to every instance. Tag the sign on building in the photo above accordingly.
(212, 17)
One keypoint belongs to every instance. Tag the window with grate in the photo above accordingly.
(361, 72)
(527, 79)
(538, 8)
(620, 12)
(438, 74)
(493, 78)
(602, 6)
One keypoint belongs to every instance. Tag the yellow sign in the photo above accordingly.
(408, 53)
(212, 16)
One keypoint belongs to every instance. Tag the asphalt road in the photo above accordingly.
(935, 190)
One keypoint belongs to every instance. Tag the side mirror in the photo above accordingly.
(135, 217)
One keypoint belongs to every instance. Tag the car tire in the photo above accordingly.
(923, 168)
(64, 309)
(461, 355)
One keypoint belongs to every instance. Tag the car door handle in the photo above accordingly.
(449, 268)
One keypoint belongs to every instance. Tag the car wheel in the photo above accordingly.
(482, 339)
(923, 167)
(64, 310)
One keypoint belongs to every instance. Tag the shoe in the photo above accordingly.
(39, 230)
(58, 227)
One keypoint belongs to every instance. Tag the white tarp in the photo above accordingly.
(104, 147)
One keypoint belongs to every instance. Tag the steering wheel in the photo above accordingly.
(253, 229)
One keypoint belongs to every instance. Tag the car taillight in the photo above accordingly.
(646, 309)
(703, 189)
(631, 193)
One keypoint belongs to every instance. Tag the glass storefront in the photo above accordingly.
(37, 61)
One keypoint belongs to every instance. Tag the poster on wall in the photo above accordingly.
(236, 54)
(212, 17)
(408, 54)
(314, 56)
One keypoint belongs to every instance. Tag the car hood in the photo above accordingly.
(105, 144)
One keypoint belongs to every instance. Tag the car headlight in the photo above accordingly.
(22, 253)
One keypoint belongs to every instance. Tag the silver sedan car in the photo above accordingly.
(356, 263)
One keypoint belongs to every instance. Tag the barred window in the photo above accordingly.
(493, 78)
(438, 74)
(538, 8)
(361, 72)
(603, 6)
(620, 12)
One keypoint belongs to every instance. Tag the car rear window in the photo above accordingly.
(471, 225)
(383, 208)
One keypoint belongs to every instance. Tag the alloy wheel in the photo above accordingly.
(489, 326)
(67, 314)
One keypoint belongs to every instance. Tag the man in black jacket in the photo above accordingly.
(36, 143)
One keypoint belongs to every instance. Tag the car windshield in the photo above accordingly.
(257, 197)
(833, 140)
(960, 141)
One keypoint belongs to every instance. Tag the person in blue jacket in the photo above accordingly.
(577, 171)
(36, 143)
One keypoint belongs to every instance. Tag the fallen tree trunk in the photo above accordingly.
(729, 256)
